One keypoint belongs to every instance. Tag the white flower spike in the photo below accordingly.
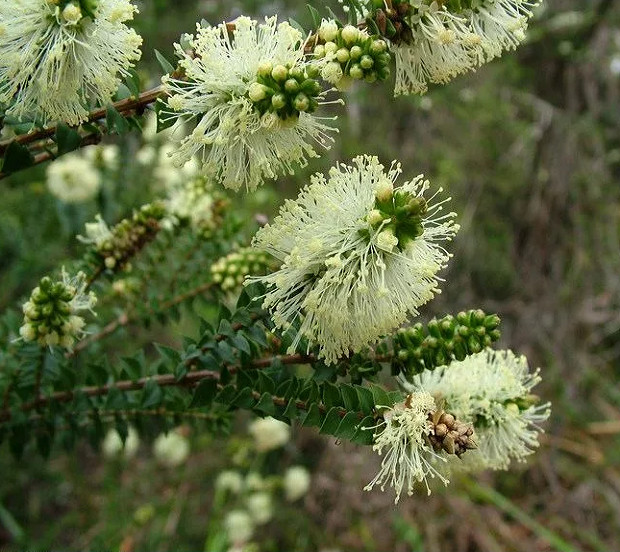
(252, 96)
(491, 390)
(358, 257)
(409, 457)
(59, 56)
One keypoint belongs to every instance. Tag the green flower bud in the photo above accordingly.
(278, 101)
(257, 92)
(319, 51)
(279, 73)
(311, 87)
(291, 86)
(301, 102)
(356, 72)
(350, 34)
(297, 73)
(367, 62)
(330, 48)
(356, 52)
(342, 55)
(378, 46)
(264, 69)
(371, 77)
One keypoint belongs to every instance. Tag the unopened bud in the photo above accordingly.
(342, 55)
(385, 190)
(278, 101)
(279, 73)
(257, 92)
(356, 52)
(350, 34)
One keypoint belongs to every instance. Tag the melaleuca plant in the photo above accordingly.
(311, 318)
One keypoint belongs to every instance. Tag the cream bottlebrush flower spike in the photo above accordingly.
(58, 56)
(440, 40)
(358, 256)
(491, 390)
(253, 98)
(403, 436)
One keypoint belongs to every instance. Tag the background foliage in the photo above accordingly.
(529, 148)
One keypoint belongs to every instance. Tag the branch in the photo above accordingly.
(191, 379)
(125, 319)
(123, 106)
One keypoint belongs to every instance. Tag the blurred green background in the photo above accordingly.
(529, 149)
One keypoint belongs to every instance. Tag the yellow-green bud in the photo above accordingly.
(342, 55)
(350, 34)
(385, 190)
(378, 46)
(278, 101)
(279, 73)
(257, 92)
(265, 68)
(367, 62)
(374, 217)
(319, 51)
(291, 86)
(328, 31)
(302, 102)
(356, 52)
(330, 47)
(356, 72)
(72, 14)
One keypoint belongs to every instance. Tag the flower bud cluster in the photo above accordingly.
(50, 315)
(115, 246)
(420, 348)
(229, 272)
(285, 90)
(397, 216)
(348, 53)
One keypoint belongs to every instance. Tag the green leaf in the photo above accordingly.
(314, 14)
(226, 395)
(204, 394)
(348, 426)
(331, 422)
(16, 158)
(242, 344)
(265, 404)
(380, 396)
(364, 436)
(266, 384)
(366, 400)
(331, 395)
(116, 399)
(291, 411)
(132, 81)
(166, 66)
(297, 26)
(115, 121)
(349, 397)
(245, 399)
(313, 416)
(152, 394)
(168, 353)
(67, 139)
